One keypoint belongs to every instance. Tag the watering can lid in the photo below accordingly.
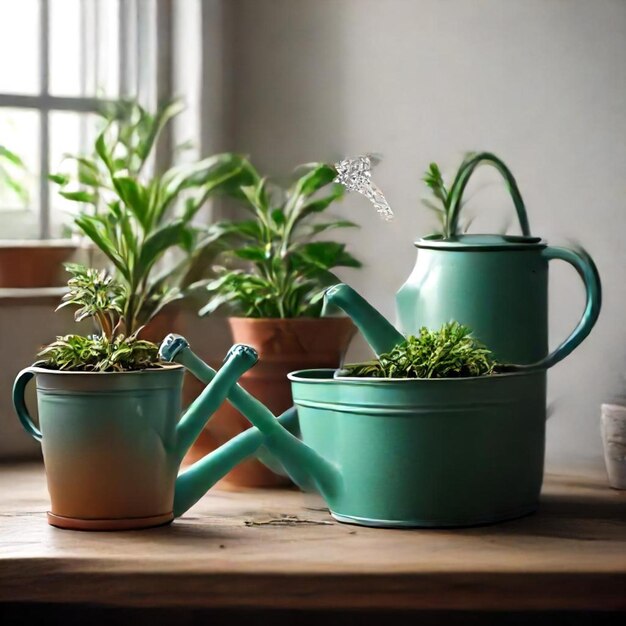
(481, 242)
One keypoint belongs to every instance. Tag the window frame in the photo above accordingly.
(144, 32)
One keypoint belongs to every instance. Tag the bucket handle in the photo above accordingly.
(586, 269)
(462, 178)
(19, 387)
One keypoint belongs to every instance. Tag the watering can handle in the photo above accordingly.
(19, 387)
(462, 178)
(587, 270)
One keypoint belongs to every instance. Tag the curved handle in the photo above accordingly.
(461, 180)
(587, 270)
(19, 387)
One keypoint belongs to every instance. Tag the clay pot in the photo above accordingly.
(284, 345)
(31, 264)
(169, 320)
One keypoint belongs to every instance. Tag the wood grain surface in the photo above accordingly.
(281, 549)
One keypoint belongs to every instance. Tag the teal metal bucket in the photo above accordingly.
(427, 452)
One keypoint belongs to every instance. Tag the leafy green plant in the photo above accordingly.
(447, 201)
(96, 295)
(441, 200)
(12, 171)
(450, 352)
(136, 219)
(287, 268)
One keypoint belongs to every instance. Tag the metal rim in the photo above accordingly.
(165, 368)
(296, 376)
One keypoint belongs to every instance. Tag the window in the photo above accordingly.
(70, 57)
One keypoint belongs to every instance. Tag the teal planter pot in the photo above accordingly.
(416, 452)
(113, 442)
(426, 452)
(109, 445)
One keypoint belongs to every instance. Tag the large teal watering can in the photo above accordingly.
(495, 284)
(414, 452)
(113, 443)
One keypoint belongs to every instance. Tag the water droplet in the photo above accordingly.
(355, 174)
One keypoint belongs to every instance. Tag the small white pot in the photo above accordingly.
(614, 442)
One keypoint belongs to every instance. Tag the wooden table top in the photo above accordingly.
(281, 549)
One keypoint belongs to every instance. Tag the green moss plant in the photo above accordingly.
(450, 352)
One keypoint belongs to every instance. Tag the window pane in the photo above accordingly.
(70, 134)
(19, 197)
(84, 57)
(19, 47)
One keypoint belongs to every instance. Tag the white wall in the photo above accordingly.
(542, 83)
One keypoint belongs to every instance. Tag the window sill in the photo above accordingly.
(34, 295)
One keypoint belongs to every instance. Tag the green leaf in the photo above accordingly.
(278, 217)
(321, 254)
(316, 229)
(209, 174)
(155, 125)
(215, 303)
(320, 175)
(101, 150)
(93, 228)
(88, 173)
(157, 243)
(80, 196)
(12, 157)
(257, 196)
(251, 253)
(134, 196)
(59, 179)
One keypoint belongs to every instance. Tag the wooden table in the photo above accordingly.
(281, 549)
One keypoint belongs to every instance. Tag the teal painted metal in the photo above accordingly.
(407, 452)
(462, 178)
(497, 287)
(378, 332)
(112, 442)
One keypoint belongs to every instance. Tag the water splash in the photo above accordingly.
(355, 174)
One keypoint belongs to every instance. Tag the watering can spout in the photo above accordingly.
(239, 359)
(379, 333)
(195, 481)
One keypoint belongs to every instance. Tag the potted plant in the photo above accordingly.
(109, 416)
(432, 433)
(271, 276)
(107, 376)
(27, 263)
(143, 223)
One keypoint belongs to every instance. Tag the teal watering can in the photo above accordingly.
(414, 452)
(495, 284)
(113, 443)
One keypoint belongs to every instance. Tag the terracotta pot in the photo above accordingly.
(284, 345)
(32, 263)
(169, 320)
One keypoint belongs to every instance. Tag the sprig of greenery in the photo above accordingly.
(441, 201)
(450, 352)
(137, 219)
(286, 269)
(98, 353)
(97, 295)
